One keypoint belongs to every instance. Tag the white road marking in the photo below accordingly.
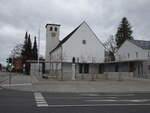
(90, 94)
(24, 84)
(112, 97)
(115, 95)
(90, 105)
(113, 100)
(40, 101)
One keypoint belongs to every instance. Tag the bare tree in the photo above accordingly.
(17, 57)
(110, 46)
(16, 51)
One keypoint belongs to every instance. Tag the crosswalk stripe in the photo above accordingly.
(39, 99)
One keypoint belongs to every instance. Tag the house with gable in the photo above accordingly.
(81, 47)
(132, 59)
(134, 50)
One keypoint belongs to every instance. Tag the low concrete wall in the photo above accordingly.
(121, 75)
(34, 69)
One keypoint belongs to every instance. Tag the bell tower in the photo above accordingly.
(52, 38)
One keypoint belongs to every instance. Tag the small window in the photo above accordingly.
(51, 29)
(137, 54)
(128, 55)
(84, 42)
(55, 28)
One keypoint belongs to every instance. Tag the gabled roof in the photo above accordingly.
(66, 38)
(141, 43)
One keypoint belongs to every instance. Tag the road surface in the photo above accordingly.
(13, 101)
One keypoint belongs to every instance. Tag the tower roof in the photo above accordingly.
(52, 25)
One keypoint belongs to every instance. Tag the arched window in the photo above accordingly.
(51, 29)
(55, 28)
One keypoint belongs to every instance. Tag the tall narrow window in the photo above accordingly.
(51, 29)
(86, 68)
(137, 54)
(80, 68)
(55, 28)
(128, 55)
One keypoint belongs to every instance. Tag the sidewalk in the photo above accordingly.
(102, 85)
(14, 78)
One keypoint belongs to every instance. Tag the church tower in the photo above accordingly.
(52, 38)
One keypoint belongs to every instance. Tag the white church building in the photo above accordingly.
(81, 54)
(75, 54)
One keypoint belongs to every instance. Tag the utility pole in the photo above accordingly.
(39, 50)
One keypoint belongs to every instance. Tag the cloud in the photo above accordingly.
(103, 16)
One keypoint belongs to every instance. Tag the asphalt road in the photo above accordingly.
(12, 101)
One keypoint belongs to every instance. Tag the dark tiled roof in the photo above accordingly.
(66, 38)
(141, 43)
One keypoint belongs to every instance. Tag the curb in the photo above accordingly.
(102, 92)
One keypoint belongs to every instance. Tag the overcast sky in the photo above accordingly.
(103, 16)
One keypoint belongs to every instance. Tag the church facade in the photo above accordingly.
(82, 55)
(76, 53)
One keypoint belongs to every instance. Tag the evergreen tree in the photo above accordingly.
(124, 32)
(35, 50)
(29, 48)
(27, 52)
(29, 55)
(24, 49)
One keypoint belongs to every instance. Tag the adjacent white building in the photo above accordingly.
(134, 50)
(134, 56)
